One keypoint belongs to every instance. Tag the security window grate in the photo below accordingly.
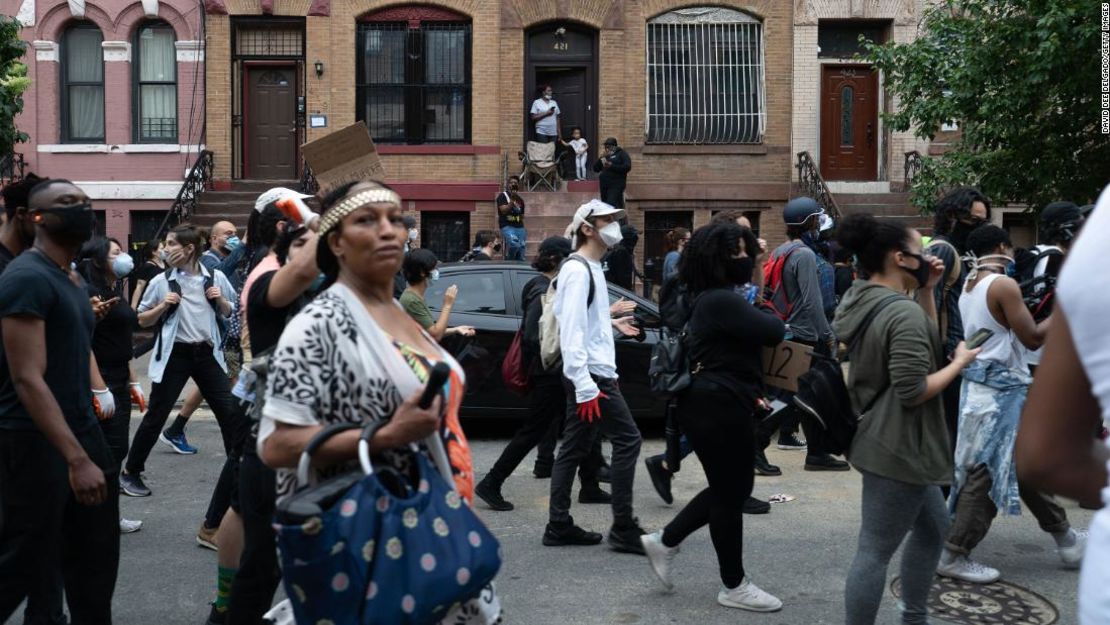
(269, 40)
(413, 84)
(705, 77)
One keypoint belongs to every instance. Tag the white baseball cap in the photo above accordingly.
(275, 194)
(593, 208)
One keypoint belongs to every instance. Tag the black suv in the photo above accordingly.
(489, 300)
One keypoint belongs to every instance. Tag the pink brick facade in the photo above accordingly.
(125, 177)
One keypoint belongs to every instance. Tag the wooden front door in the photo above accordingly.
(849, 122)
(271, 141)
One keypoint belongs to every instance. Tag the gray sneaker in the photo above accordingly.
(132, 485)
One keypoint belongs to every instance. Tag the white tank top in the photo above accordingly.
(1004, 346)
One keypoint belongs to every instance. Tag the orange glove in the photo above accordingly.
(137, 396)
(295, 209)
(590, 411)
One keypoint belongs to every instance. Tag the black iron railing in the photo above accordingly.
(309, 184)
(11, 168)
(911, 167)
(813, 185)
(196, 182)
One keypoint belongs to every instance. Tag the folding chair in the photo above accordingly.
(540, 166)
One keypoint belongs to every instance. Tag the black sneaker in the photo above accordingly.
(763, 466)
(825, 462)
(216, 617)
(755, 506)
(542, 471)
(570, 534)
(660, 478)
(132, 485)
(625, 537)
(790, 442)
(593, 494)
(492, 496)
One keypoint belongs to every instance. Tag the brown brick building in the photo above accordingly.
(699, 96)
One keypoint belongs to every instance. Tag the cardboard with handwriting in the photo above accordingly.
(343, 156)
(784, 363)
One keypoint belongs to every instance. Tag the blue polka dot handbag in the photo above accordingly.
(375, 548)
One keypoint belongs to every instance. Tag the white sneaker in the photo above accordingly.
(127, 526)
(748, 596)
(968, 570)
(660, 557)
(1073, 556)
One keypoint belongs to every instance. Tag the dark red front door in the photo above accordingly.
(271, 123)
(849, 122)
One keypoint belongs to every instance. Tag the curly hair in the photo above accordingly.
(870, 240)
(704, 264)
(955, 204)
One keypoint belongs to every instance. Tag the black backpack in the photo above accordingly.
(1038, 292)
(669, 372)
(823, 395)
(156, 341)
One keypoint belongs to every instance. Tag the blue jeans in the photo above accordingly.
(515, 239)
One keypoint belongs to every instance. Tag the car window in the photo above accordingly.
(479, 292)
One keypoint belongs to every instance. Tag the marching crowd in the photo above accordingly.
(979, 374)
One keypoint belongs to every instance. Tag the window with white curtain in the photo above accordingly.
(705, 82)
(155, 69)
(83, 84)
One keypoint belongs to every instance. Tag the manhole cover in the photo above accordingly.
(977, 604)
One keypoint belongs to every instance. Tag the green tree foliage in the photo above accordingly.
(13, 82)
(1021, 78)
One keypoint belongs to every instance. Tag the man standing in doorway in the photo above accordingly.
(614, 168)
(510, 218)
(545, 118)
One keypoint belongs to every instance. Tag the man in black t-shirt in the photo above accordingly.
(58, 481)
(510, 219)
(18, 233)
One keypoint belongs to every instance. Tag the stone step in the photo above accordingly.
(880, 210)
(258, 186)
(871, 198)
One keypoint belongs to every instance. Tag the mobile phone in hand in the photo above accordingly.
(981, 336)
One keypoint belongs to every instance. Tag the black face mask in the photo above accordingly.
(921, 274)
(497, 248)
(960, 232)
(739, 270)
(74, 225)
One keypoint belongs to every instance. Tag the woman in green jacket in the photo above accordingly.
(902, 446)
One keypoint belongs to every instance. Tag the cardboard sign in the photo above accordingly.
(342, 156)
(784, 363)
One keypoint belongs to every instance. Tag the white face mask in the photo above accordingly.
(611, 234)
(412, 234)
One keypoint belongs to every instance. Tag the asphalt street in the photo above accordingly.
(799, 552)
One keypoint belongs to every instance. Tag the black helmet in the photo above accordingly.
(799, 209)
(1060, 221)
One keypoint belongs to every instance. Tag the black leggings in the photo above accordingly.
(723, 441)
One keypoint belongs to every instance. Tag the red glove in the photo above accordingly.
(137, 396)
(590, 411)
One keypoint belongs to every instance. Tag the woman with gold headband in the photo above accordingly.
(353, 355)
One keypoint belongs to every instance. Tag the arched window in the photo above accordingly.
(155, 72)
(82, 84)
(705, 77)
(413, 75)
